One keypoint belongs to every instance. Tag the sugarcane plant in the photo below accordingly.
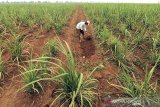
(137, 88)
(74, 90)
(15, 48)
(37, 73)
(51, 45)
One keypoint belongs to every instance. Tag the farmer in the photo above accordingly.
(81, 28)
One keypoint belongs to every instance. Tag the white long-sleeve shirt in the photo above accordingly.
(81, 25)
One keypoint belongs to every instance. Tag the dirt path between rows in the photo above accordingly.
(88, 55)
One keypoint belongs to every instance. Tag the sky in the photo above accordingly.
(111, 1)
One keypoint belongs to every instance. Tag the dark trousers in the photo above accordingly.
(80, 33)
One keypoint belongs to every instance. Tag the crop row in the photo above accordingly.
(48, 16)
(129, 34)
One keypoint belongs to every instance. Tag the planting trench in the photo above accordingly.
(87, 54)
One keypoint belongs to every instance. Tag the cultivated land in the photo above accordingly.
(42, 62)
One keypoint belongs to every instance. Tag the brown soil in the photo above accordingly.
(87, 54)
(88, 47)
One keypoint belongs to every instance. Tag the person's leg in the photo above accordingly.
(81, 35)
